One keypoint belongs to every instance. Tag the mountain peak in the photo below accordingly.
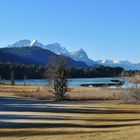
(117, 62)
(57, 48)
(81, 50)
(106, 61)
(20, 43)
(35, 43)
(25, 43)
(56, 44)
(80, 54)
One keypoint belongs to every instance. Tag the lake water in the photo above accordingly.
(73, 82)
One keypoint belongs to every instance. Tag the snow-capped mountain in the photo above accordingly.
(105, 62)
(25, 43)
(57, 48)
(117, 63)
(79, 55)
(36, 43)
(20, 43)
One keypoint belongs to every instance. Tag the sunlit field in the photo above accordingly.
(74, 94)
(92, 113)
(70, 121)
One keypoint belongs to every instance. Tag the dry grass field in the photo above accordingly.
(100, 116)
(81, 121)
(135, 79)
(75, 93)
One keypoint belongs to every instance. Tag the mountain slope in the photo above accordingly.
(125, 64)
(56, 48)
(79, 55)
(34, 55)
(20, 43)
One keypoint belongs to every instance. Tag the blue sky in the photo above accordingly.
(104, 28)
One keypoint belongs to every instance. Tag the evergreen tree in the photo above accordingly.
(0, 79)
(59, 80)
(12, 78)
(25, 78)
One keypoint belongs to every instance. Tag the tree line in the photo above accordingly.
(131, 73)
(22, 71)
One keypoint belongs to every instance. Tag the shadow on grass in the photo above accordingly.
(22, 105)
(62, 125)
(45, 133)
(60, 118)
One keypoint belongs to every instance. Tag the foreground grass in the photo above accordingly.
(73, 134)
(74, 120)
(90, 116)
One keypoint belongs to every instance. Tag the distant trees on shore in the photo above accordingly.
(21, 71)
(38, 72)
(131, 73)
(99, 71)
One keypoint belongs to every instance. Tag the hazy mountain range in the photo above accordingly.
(79, 55)
(34, 55)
